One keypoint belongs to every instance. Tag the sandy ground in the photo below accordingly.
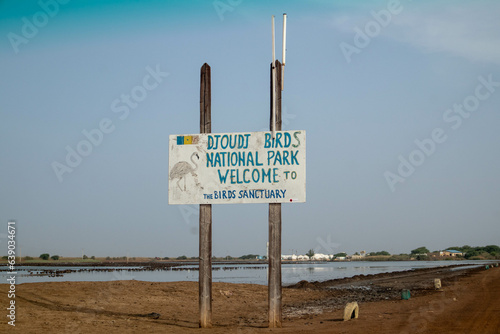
(468, 303)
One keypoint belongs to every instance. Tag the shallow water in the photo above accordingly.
(244, 273)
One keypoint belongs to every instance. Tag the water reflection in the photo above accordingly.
(242, 273)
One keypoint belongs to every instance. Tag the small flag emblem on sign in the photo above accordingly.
(187, 140)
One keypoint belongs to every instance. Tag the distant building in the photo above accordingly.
(322, 257)
(359, 256)
(450, 252)
(315, 257)
(294, 257)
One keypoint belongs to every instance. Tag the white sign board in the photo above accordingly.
(247, 167)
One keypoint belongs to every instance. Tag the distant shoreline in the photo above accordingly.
(177, 263)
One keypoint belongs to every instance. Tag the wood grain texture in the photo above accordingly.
(205, 251)
(274, 279)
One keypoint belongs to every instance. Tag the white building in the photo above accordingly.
(322, 257)
(315, 257)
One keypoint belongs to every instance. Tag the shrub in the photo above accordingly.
(44, 256)
(420, 251)
(55, 257)
(249, 257)
(381, 253)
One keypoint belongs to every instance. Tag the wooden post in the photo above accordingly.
(274, 279)
(205, 273)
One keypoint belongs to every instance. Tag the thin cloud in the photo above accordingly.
(470, 31)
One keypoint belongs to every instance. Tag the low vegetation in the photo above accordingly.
(479, 253)
(249, 257)
(489, 252)
(400, 257)
(381, 253)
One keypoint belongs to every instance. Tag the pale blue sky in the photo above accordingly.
(360, 116)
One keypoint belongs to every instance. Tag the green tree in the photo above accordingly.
(470, 254)
(382, 253)
(85, 257)
(183, 257)
(45, 256)
(310, 253)
(55, 257)
(420, 250)
(492, 249)
(249, 257)
(340, 255)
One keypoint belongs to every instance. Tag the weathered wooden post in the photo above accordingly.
(205, 272)
(285, 183)
(274, 279)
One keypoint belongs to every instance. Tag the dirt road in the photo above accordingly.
(469, 303)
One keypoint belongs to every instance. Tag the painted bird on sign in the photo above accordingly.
(183, 168)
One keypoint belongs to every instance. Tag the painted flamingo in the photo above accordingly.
(183, 168)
